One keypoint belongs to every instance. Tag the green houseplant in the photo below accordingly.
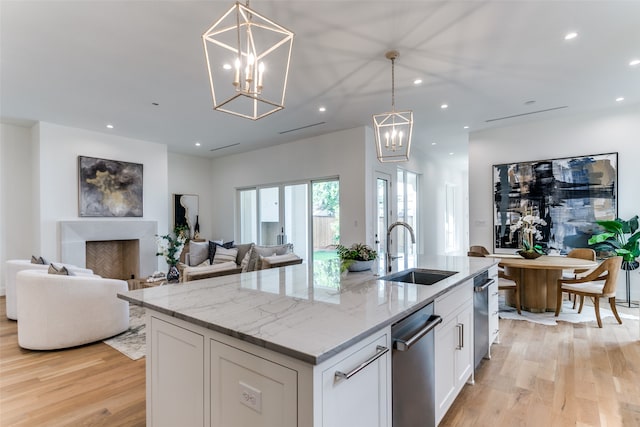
(358, 257)
(621, 237)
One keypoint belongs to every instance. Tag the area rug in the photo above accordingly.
(567, 314)
(131, 342)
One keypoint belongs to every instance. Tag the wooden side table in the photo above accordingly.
(142, 283)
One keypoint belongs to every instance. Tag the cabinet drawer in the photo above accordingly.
(453, 299)
(363, 399)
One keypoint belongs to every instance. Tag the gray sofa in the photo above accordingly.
(248, 257)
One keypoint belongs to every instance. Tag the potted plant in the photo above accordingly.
(623, 238)
(358, 257)
(530, 233)
(170, 248)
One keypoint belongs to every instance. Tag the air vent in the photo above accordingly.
(526, 114)
(226, 146)
(302, 127)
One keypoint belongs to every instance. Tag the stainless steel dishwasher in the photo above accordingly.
(413, 369)
(481, 285)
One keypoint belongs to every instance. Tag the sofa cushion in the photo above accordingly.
(212, 248)
(274, 260)
(198, 252)
(225, 255)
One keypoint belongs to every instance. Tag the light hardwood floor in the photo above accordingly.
(565, 375)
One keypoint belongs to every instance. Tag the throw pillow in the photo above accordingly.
(212, 248)
(37, 260)
(198, 252)
(225, 255)
(245, 260)
(60, 270)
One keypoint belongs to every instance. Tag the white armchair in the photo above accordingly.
(58, 311)
(13, 266)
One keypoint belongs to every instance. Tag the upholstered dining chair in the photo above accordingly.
(599, 283)
(581, 253)
(505, 282)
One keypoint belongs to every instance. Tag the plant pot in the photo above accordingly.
(529, 254)
(173, 275)
(360, 265)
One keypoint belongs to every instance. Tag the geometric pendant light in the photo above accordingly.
(248, 58)
(393, 130)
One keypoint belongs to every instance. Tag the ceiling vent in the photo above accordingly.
(302, 127)
(526, 114)
(226, 146)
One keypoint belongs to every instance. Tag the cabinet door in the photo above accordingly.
(364, 399)
(446, 340)
(464, 348)
(249, 391)
(175, 376)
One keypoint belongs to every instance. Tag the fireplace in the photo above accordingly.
(115, 249)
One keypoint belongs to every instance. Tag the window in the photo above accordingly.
(407, 194)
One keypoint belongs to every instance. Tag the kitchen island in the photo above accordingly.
(263, 348)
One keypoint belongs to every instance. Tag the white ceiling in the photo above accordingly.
(88, 63)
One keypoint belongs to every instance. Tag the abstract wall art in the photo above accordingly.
(109, 188)
(569, 194)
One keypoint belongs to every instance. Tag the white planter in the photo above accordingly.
(361, 265)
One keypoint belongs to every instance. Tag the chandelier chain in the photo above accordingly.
(393, 85)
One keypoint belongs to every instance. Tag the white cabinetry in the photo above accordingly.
(175, 376)
(231, 383)
(364, 399)
(454, 345)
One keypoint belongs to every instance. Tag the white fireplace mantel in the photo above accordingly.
(75, 234)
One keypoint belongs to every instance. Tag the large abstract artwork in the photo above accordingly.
(569, 194)
(109, 188)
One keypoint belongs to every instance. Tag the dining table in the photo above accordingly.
(538, 278)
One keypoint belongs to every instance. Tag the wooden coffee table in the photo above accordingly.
(142, 283)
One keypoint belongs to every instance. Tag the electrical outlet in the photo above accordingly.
(249, 396)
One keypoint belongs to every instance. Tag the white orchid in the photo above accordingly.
(528, 224)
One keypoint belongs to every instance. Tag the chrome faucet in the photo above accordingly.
(390, 258)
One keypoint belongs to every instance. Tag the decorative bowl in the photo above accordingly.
(529, 254)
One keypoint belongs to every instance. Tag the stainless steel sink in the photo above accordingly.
(419, 276)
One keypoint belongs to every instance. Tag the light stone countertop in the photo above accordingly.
(307, 311)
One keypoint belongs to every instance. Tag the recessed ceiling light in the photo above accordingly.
(451, 154)
(322, 109)
(417, 81)
(109, 126)
(434, 143)
(444, 106)
(619, 99)
(197, 144)
(466, 127)
(530, 102)
(227, 66)
(570, 36)
(634, 62)
(155, 104)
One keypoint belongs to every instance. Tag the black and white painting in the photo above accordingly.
(569, 194)
(109, 188)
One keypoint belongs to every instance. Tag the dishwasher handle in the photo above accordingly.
(486, 284)
(404, 345)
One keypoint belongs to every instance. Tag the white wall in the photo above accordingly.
(58, 150)
(338, 154)
(596, 132)
(192, 175)
(15, 196)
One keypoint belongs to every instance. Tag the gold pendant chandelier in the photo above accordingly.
(393, 130)
(248, 58)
